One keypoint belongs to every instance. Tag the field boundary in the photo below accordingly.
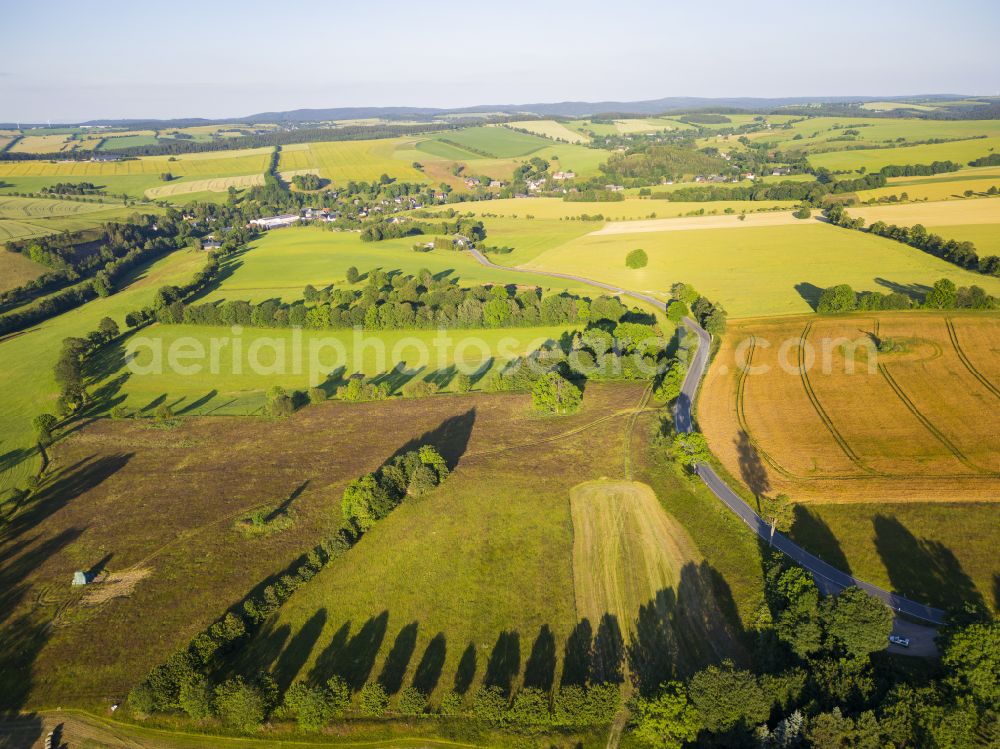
(953, 334)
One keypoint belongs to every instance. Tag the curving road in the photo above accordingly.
(828, 578)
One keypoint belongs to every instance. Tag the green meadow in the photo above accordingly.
(961, 151)
(499, 142)
(281, 263)
(756, 270)
(27, 383)
(248, 361)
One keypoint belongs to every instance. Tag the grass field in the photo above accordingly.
(880, 432)
(756, 271)
(551, 129)
(236, 386)
(37, 208)
(93, 215)
(476, 545)
(498, 142)
(343, 161)
(986, 237)
(631, 556)
(281, 263)
(941, 553)
(961, 151)
(28, 384)
(16, 269)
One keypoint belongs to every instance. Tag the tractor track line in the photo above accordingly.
(927, 423)
(953, 334)
(823, 415)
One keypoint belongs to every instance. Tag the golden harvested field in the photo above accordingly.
(551, 129)
(202, 165)
(947, 186)
(630, 208)
(819, 414)
(941, 213)
(217, 184)
(40, 144)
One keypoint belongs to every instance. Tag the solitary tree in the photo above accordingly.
(778, 512)
(690, 449)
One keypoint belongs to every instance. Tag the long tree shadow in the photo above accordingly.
(353, 659)
(465, 674)
(608, 652)
(576, 655)
(199, 402)
(63, 487)
(504, 663)
(398, 659)
(451, 438)
(326, 661)
(428, 671)
(296, 653)
(540, 669)
(916, 291)
(923, 569)
(752, 469)
(812, 533)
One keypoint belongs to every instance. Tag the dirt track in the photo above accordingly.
(690, 223)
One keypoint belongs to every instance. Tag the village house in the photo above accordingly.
(560, 176)
(615, 188)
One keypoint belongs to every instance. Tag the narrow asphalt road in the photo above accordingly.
(828, 578)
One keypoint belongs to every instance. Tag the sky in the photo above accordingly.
(110, 59)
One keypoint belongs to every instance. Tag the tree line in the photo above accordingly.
(393, 302)
(962, 254)
(123, 247)
(944, 294)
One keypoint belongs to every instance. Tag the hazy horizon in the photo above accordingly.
(235, 60)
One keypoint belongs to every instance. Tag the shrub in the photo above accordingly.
(462, 383)
(553, 393)
(637, 259)
(317, 395)
(240, 705)
(119, 412)
(196, 698)
(451, 704)
(803, 212)
(419, 388)
(372, 700)
(164, 412)
(530, 707)
(338, 695)
(489, 705)
(310, 705)
(412, 701)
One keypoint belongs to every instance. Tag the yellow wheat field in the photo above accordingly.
(784, 411)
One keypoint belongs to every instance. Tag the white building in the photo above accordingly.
(275, 222)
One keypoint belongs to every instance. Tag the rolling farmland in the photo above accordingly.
(341, 162)
(550, 129)
(756, 270)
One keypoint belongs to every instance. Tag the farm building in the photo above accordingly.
(275, 222)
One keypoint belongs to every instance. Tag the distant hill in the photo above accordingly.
(670, 104)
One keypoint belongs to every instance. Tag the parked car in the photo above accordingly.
(903, 642)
